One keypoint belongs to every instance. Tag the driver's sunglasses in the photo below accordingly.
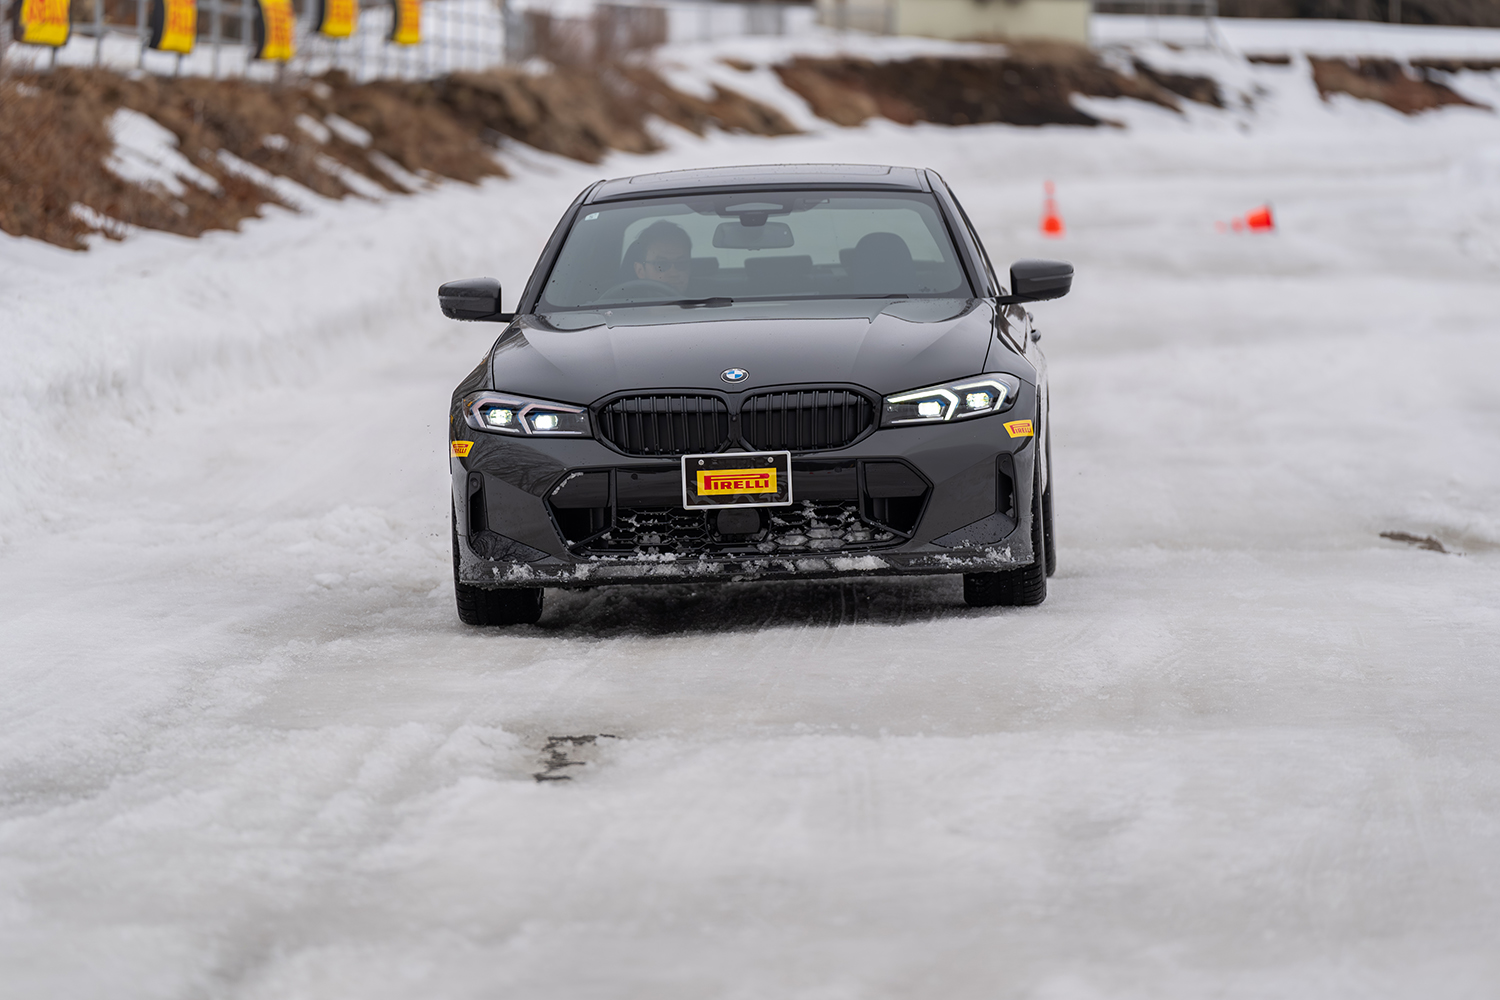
(663, 266)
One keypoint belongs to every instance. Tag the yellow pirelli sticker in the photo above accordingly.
(1020, 429)
(722, 481)
(460, 449)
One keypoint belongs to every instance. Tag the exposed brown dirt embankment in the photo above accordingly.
(56, 185)
(336, 138)
(1386, 81)
(1474, 13)
(1031, 86)
(584, 116)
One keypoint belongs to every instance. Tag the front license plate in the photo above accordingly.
(738, 479)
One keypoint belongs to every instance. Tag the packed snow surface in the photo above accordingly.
(1247, 748)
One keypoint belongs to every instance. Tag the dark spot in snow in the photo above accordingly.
(1420, 541)
(559, 753)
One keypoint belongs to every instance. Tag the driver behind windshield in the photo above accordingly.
(663, 253)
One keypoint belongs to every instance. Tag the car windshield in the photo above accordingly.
(756, 245)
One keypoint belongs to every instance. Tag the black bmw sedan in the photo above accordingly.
(752, 373)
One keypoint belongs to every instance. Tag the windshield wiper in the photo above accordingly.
(713, 302)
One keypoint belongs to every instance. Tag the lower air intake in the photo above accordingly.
(804, 527)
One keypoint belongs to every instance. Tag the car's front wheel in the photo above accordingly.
(1051, 545)
(491, 608)
(1022, 587)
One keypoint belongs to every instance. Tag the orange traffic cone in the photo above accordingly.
(1052, 223)
(1257, 220)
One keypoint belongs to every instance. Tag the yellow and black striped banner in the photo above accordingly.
(406, 25)
(41, 22)
(275, 30)
(174, 25)
(337, 18)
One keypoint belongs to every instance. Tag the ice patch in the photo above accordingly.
(348, 131)
(320, 132)
(396, 172)
(286, 189)
(857, 564)
(146, 155)
(99, 221)
(352, 179)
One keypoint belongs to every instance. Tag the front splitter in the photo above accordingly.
(668, 568)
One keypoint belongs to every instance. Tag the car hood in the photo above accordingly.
(883, 345)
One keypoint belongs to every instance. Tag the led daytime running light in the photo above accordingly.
(518, 415)
(975, 397)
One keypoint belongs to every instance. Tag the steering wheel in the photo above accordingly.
(639, 288)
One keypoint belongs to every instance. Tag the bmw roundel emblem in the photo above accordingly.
(734, 375)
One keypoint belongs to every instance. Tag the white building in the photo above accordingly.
(988, 19)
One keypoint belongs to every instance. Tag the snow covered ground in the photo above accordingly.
(1247, 748)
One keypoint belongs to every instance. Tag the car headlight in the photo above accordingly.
(970, 397)
(492, 411)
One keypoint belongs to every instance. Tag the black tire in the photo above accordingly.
(1047, 542)
(1051, 546)
(492, 608)
(1016, 588)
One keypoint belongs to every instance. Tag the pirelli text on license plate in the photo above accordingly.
(737, 479)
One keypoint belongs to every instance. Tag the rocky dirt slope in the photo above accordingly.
(236, 143)
(328, 135)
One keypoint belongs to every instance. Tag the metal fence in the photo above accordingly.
(456, 35)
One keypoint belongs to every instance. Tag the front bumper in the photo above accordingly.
(569, 512)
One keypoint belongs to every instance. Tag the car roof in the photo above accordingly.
(779, 175)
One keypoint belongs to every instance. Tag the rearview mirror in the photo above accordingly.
(767, 236)
(473, 298)
(1038, 280)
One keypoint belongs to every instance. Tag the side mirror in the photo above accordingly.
(1037, 281)
(473, 298)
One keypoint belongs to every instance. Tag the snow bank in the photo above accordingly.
(98, 343)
